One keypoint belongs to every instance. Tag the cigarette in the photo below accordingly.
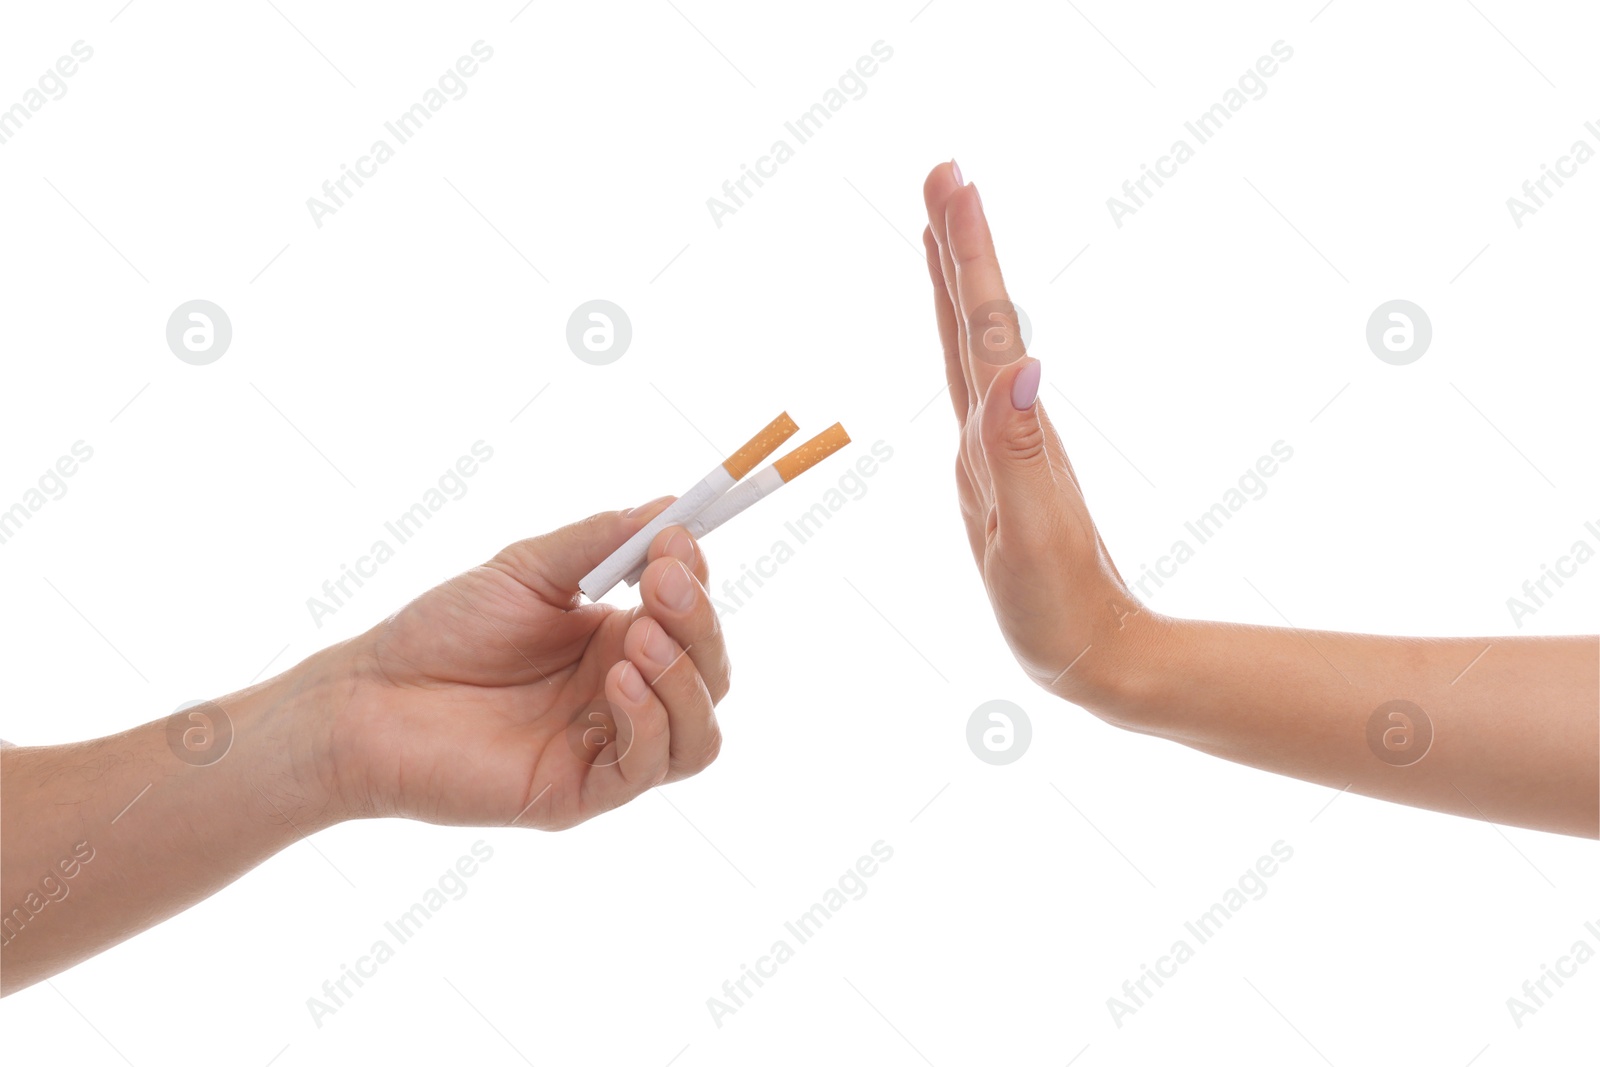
(598, 582)
(761, 484)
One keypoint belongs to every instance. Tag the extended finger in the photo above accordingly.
(949, 330)
(988, 318)
(942, 183)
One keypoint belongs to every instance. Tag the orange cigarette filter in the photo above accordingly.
(767, 480)
(812, 452)
(712, 487)
(760, 446)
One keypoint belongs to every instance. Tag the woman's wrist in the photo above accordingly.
(1121, 674)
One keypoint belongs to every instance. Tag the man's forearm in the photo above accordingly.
(102, 839)
(1504, 729)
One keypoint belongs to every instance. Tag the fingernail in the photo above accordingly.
(676, 587)
(657, 645)
(955, 168)
(646, 506)
(679, 546)
(1025, 386)
(631, 682)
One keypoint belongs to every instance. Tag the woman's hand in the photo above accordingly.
(1062, 606)
(498, 698)
(1515, 743)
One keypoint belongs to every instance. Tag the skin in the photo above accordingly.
(495, 699)
(1516, 733)
(498, 698)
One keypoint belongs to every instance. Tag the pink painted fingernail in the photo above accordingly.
(1025, 386)
(955, 169)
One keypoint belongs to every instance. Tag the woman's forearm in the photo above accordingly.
(1504, 729)
(1497, 728)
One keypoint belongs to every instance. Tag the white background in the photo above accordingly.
(1226, 315)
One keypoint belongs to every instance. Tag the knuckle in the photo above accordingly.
(1022, 439)
(711, 750)
(963, 469)
(701, 567)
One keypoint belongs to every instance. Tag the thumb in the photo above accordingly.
(1015, 443)
(553, 564)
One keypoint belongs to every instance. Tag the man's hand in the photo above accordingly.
(495, 699)
(498, 698)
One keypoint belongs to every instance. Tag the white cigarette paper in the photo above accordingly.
(598, 582)
(760, 484)
(725, 507)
